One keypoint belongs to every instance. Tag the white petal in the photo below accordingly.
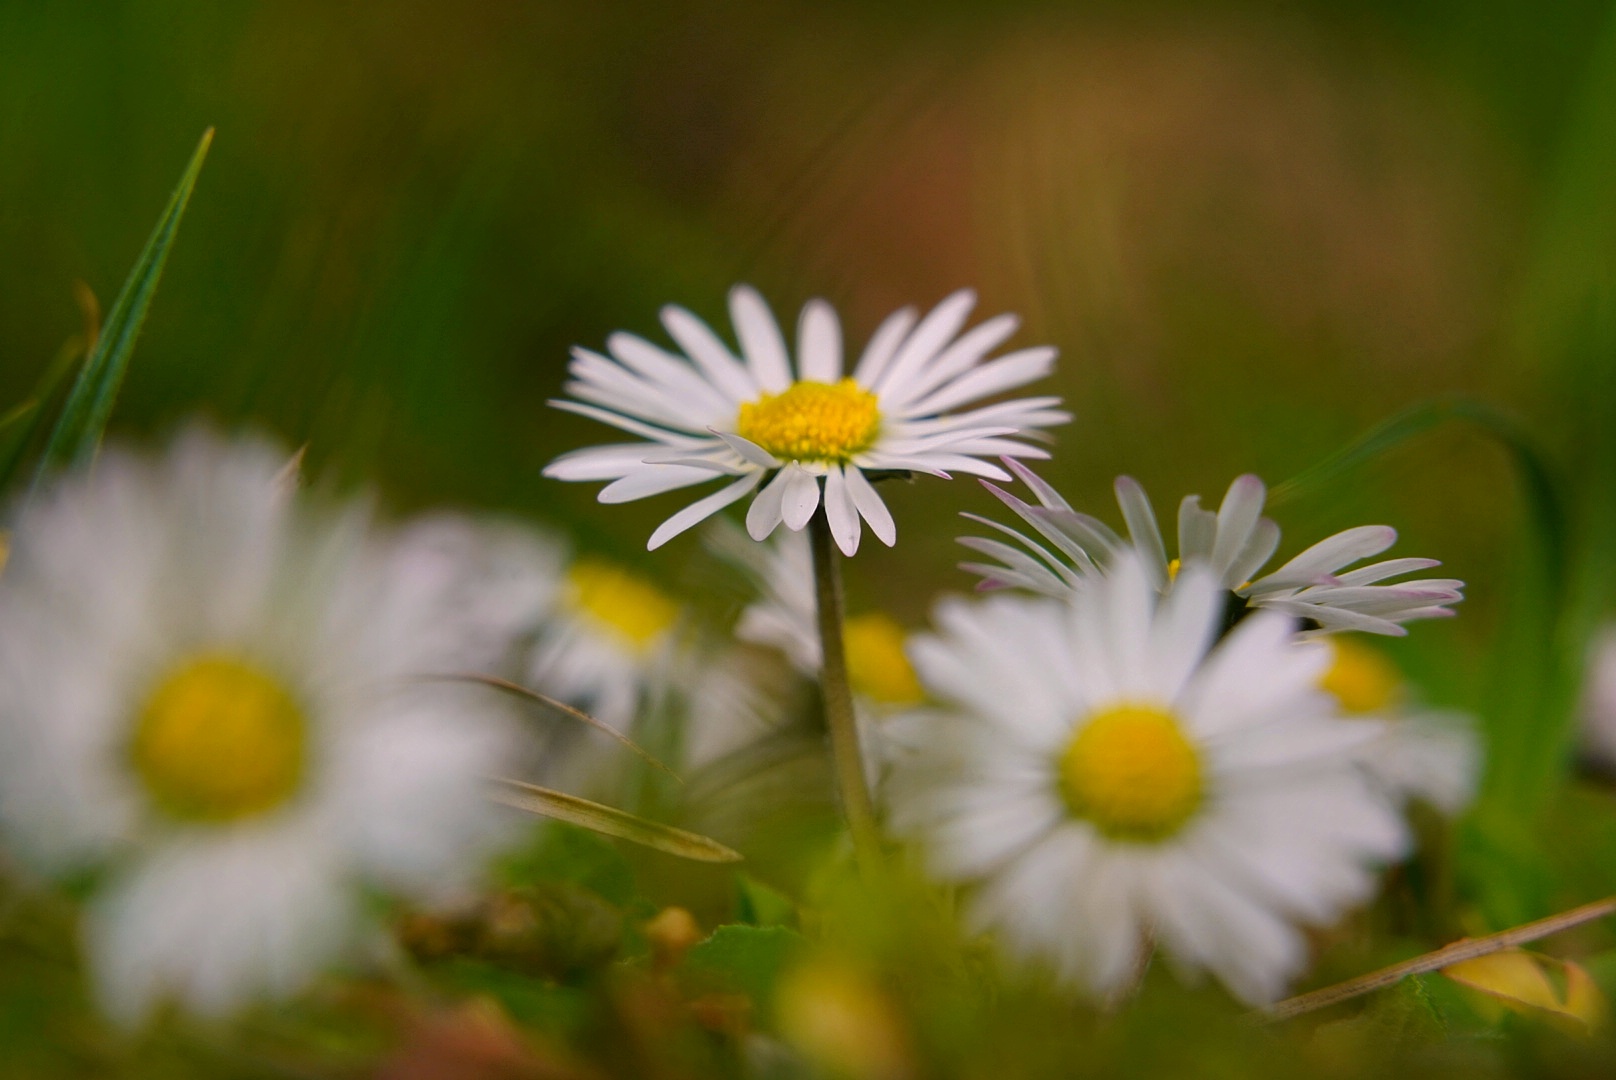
(706, 349)
(934, 331)
(883, 346)
(650, 480)
(761, 343)
(702, 510)
(871, 508)
(800, 498)
(765, 512)
(841, 513)
(819, 343)
(1237, 516)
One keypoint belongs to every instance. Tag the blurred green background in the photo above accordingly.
(1253, 229)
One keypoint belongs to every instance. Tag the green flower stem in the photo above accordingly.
(838, 695)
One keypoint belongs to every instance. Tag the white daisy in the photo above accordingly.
(1420, 753)
(610, 643)
(784, 618)
(1598, 706)
(809, 427)
(1235, 542)
(1107, 779)
(576, 628)
(207, 692)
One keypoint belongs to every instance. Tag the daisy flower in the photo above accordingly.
(1420, 753)
(208, 694)
(783, 618)
(1235, 542)
(809, 428)
(577, 628)
(1105, 778)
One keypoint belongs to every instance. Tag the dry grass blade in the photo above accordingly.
(1459, 951)
(564, 709)
(612, 822)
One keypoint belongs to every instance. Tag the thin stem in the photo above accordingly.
(1465, 949)
(838, 695)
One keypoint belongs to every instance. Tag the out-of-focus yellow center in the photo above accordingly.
(812, 421)
(1173, 568)
(1361, 679)
(876, 663)
(1132, 772)
(220, 739)
(622, 604)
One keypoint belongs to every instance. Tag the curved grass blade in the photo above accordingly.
(564, 709)
(612, 822)
(84, 416)
(1539, 486)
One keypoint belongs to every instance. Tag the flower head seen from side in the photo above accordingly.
(1235, 542)
(1421, 752)
(1105, 778)
(208, 690)
(806, 430)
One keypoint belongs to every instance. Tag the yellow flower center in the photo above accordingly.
(1361, 679)
(622, 604)
(876, 663)
(218, 740)
(1173, 567)
(812, 421)
(1132, 772)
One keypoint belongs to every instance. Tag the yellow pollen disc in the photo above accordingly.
(812, 421)
(1173, 568)
(625, 605)
(1132, 772)
(219, 739)
(876, 663)
(1361, 679)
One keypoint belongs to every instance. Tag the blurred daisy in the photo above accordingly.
(1420, 753)
(1109, 782)
(608, 644)
(206, 691)
(1599, 699)
(1235, 542)
(809, 428)
(784, 618)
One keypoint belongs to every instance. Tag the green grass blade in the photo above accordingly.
(1540, 488)
(20, 426)
(612, 822)
(84, 416)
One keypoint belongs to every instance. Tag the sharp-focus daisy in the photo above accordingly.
(810, 428)
(1108, 779)
(1423, 753)
(1235, 542)
(208, 691)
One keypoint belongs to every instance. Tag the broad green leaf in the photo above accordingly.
(612, 822)
(1535, 985)
(84, 415)
(744, 959)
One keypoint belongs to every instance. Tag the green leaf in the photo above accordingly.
(84, 416)
(744, 959)
(19, 427)
(762, 905)
(612, 822)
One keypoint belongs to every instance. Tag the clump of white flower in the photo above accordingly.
(1235, 543)
(211, 694)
